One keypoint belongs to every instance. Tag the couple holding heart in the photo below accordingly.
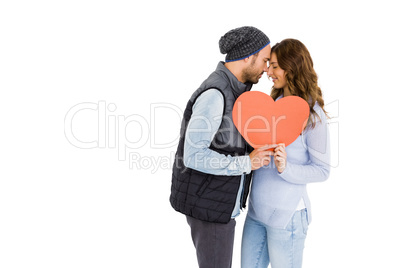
(235, 142)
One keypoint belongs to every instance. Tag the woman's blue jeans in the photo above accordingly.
(283, 248)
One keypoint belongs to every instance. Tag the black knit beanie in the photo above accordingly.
(242, 42)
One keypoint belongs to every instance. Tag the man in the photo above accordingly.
(212, 170)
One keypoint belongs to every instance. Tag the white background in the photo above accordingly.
(137, 63)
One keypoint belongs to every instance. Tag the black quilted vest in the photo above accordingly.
(204, 196)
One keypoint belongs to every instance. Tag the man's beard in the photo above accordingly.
(250, 74)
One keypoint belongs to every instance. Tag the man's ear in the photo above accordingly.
(247, 61)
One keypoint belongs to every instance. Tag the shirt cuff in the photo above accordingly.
(245, 163)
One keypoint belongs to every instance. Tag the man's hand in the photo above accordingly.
(261, 156)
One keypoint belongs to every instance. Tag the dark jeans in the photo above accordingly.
(213, 242)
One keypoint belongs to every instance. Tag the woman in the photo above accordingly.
(279, 208)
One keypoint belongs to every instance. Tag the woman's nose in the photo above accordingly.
(269, 71)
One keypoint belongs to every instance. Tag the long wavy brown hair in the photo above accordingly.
(294, 58)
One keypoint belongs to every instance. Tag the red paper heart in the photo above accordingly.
(261, 120)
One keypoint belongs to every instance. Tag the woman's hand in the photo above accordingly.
(280, 157)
